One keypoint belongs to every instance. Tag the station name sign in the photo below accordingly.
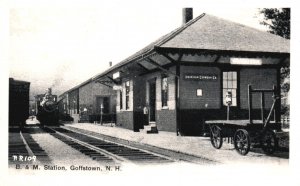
(116, 75)
(245, 61)
(201, 77)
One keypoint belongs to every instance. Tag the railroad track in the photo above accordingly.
(36, 150)
(176, 156)
(17, 147)
(103, 150)
(82, 147)
(22, 147)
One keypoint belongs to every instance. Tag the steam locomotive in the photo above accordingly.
(47, 108)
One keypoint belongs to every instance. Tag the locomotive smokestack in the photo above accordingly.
(49, 91)
(110, 64)
(187, 15)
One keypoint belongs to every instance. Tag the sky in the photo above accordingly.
(60, 47)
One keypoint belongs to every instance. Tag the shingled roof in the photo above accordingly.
(207, 32)
(212, 33)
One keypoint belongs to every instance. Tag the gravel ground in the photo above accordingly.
(199, 146)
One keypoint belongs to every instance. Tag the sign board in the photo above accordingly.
(117, 87)
(245, 61)
(199, 92)
(116, 75)
(201, 77)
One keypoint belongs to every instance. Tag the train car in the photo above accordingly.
(18, 102)
(47, 108)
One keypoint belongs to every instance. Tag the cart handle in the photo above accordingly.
(270, 113)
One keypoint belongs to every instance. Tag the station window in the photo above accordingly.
(127, 89)
(164, 91)
(230, 85)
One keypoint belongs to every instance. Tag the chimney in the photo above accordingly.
(110, 64)
(187, 15)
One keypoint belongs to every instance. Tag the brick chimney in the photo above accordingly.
(187, 15)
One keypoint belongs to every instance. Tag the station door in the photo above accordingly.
(104, 101)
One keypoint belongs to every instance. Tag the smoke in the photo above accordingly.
(59, 77)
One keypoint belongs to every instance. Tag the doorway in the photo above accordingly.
(104, 103)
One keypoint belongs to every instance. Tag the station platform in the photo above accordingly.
(186, 145)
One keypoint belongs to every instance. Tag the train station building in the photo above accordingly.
(181, 80)
(90, 101)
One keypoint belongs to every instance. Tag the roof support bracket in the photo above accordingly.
(142, 67)
(169, 58)
(179, 58)
(217, 58)
(151, 61)
(103, 83)
(112, 80)
(173, 60)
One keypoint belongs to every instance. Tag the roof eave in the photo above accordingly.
(221, 52)
(122, 64)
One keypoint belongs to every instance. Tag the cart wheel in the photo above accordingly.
(242, 141)
(268, 142)
(216, 137)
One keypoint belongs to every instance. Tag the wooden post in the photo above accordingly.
(250, 103)
(177, 79)
(277, 105)
(177, 89)
(101, 113)
(177, 96)
(263, 107)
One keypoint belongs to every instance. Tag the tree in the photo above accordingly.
(278, 22)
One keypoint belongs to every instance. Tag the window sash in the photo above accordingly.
(127, 94)
(164, 91)
(230, 84)
(121, 99)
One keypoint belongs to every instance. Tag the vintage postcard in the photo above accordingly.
(147, 93)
